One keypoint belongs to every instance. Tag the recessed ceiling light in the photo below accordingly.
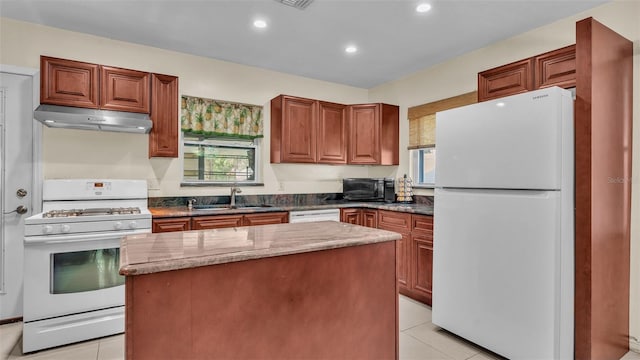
(500, 104)
(49, 121)
(260, 24)
(351, 49)
(422, 8)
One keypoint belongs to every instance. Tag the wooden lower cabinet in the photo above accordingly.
(351, 216)
(400, 223)
(218, 221)
(370, 218)
(421, 267)
(171, 224)
(265, 218)
(414, 252)
(359, 216)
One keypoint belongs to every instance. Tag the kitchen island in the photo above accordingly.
(308, 290)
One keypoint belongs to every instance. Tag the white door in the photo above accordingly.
(514, 142)
(16, 123)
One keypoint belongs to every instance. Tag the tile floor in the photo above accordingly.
(419, 339)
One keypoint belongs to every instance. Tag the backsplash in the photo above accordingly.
(271, 199)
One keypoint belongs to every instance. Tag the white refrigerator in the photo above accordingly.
(503, 257)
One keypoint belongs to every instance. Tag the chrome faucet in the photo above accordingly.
(190, 203)
(234, 190)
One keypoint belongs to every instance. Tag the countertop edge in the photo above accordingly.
(217, 259)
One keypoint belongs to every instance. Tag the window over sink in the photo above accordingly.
(220, 161)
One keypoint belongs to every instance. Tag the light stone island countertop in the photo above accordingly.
(155, 252)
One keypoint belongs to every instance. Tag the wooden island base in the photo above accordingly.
(331, 304)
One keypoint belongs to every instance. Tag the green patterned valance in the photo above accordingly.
(215, 118)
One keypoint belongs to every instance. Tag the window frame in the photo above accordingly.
(256, 144)
(416, 167)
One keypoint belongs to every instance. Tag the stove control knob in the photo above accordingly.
(47, 229)
(133, 225)
(118, 225)
(66, 228)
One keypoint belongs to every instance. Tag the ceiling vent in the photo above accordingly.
(298, 4)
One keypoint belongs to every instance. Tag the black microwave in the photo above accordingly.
(368, 189)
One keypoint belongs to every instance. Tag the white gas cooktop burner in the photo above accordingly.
(91, 212)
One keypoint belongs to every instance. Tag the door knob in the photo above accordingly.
(21, 193)
(20, 210)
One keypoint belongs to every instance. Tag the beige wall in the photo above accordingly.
(76, 153)
(459, 76)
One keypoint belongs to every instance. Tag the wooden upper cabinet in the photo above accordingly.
(364, 134)
(556, 68)
(163, 138)
(553, 68)
(509, 79)
(332, 133)
(124, 90)
(373, 134)
(293, 130)
(69, 83)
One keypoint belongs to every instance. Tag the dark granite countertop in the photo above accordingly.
(181, 211)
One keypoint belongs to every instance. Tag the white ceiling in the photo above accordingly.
(393, 39)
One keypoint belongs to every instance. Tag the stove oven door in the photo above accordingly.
(71, 274)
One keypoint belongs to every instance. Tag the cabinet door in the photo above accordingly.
(556, 68)
(370, 218)
(364, 134)
(399, 222)
(421, 253)
(171, 224)
(163, 138)
(299, 130)
(265, 218)
(124, 90)
(506, 80)
(403, 266)
(351, 216)
(332, 133)
(216, 222)
(68, 83)
(389, 134)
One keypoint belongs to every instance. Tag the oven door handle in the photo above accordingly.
(57, 239)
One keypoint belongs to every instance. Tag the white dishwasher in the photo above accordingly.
(314, 215)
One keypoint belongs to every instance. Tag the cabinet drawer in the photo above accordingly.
(216, 222)
(422, 224)
(171, 224)
(394, 221)
(266, 218)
